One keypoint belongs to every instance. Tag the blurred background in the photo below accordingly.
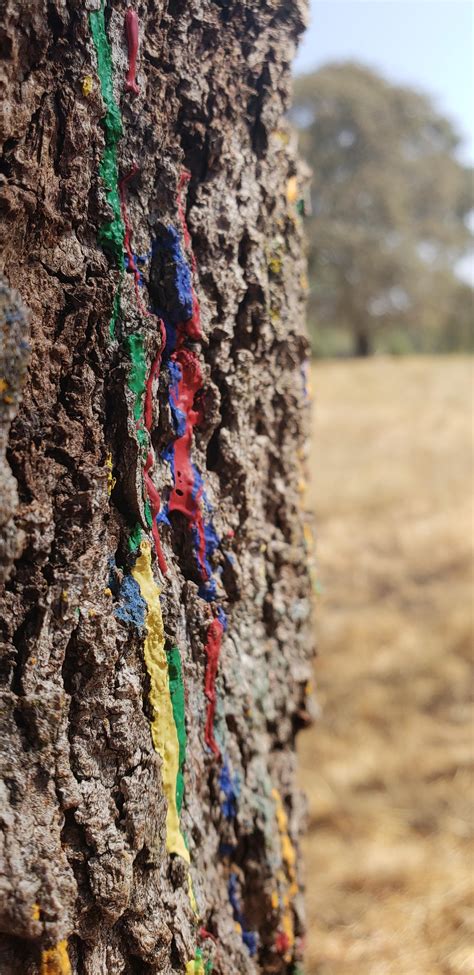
(383, 103)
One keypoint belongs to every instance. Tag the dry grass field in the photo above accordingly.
(389, 860)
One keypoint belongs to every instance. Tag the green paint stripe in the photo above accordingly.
(137, 375)
(112, 232)
(175, 676)
(135, 538)
(148, 513)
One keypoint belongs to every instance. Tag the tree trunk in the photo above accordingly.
(362, 345)
(155, 612)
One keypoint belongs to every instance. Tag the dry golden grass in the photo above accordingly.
(389, 856)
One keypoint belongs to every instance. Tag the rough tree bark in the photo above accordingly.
(155, 609)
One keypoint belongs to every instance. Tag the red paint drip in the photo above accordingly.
(154, 371)
(131, 28)
(150, 489)
(212, 649)
(183, 497)
(191, 328)
(282, 942)
(155, 505)
(204, 934)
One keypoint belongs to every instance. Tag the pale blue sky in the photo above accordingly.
(424, 43)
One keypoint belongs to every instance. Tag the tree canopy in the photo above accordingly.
(388, 227)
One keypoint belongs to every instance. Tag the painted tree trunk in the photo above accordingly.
(155, 608)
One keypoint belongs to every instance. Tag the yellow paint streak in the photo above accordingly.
(192, 898)
(289, 859)
(36, 912)
(111, 480)
(163, 729)
(195, 967)
(275, 264)
(287, 848)
(3, 385)
(292, 190)
(281, 136)
(55, 961)
(87, 85)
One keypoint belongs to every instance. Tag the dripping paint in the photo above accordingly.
(131, 30)
(55, 961)
(163, 727)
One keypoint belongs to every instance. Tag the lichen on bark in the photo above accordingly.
(156, 646)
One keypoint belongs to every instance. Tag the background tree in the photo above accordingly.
(154, 611)
(389, 206)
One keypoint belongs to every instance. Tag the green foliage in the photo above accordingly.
(389, 207)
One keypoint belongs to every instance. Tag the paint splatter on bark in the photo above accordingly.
(134, 766)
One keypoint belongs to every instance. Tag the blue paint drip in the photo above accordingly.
(211, 538)
(132, 608)
(208, 590)
(181, 306)
(179, 421)
(178, 415)
(176, 376)
(131, 265)
(168, 455)
(230, 786)
(250, 938)
(171, 335)
(198, 486)
(162, 517)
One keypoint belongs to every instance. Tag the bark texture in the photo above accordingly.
(155, 606)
